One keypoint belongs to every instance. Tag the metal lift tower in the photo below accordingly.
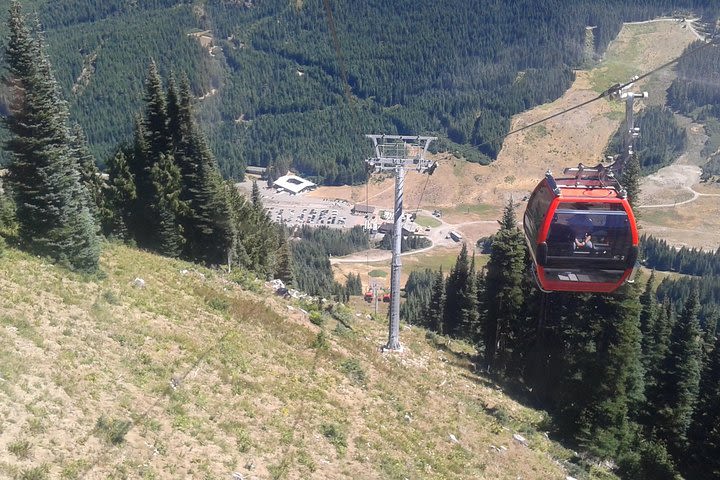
(398, 153)
(631, 132)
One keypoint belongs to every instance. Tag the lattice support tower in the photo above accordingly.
(631, 132)
(398, 153)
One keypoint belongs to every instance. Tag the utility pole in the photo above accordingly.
(398, 153)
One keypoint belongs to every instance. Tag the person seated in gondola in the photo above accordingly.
(585, 243)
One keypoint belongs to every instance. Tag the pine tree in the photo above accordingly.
(648, 317)
(255, 196)
(208, 229)
(121, 196)
(654, 357)
(504, 294)
(142, 219)
(705, 429)
(284, 269)
(455, 285)
(631, 182)
(165, 176)
(52, 203)
(679, 381)
(159, 138)
(89, 173)
(437, 304)
(613, 374)
(469, 311)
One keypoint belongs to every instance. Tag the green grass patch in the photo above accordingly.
(378, 273)
(536, 132)
(336, 435)
(659, 216)
(354, 371)
(481, 209)
(40, 472)
(425, 221)
(20, 448)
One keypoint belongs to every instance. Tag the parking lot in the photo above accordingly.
(295, 210)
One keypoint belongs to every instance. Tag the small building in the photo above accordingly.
(293, 184)
(253, 170)
(385, 228)
(360, 209)
(409, 228)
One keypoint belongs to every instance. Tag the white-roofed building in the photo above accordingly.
(293, 184)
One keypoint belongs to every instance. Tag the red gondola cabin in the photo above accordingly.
(581, 232)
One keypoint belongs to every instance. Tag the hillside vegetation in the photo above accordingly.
(197, 376)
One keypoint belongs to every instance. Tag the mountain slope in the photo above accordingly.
(272, 85)
(191, 375)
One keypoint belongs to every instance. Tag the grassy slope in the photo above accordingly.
(211, 379)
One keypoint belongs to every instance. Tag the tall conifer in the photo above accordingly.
(52, 203)
(504, 294)
(437, 303)
(648, 317)
(89, 173)
(679, 381)
(705, 428)
(454, 293)
(121, 196)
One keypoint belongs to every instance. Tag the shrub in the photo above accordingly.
(317, 318)
(336, 436)
(20, 448)
(353, 371)
(112, 431)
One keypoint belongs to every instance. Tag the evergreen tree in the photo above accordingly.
(631, 182)
(255, 196)
(139, 163)
(437, 304)
(456, 284)
(469, 312)
(679, 381)
(705, 429)
(660, 342)
(504, 294)
(209, 211)
(647, 461)
(121, 196)
(353, 284)
(89, 173)
(165, 176)
(159, 138)
(648, 317)
(52, 203)
(284, 268)
(612, 373)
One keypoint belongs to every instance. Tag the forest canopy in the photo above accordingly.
(269, 82)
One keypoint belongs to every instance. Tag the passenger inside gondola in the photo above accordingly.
(585, 243)
(593, 235)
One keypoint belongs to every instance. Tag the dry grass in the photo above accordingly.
(194, 377)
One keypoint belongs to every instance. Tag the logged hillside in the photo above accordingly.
(194, 375)
(272, 84)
